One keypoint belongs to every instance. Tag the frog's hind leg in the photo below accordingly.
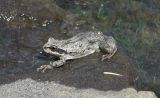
(109, 55)
(52, 64)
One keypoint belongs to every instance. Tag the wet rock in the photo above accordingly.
(36, 8)
(30, 13)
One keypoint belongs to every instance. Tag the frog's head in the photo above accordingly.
(51, 47)
(51, 43)
(109, 47)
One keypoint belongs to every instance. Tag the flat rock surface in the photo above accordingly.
(29, 88)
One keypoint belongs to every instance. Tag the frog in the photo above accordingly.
(78, 46)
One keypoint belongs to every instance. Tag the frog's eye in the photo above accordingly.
(54, 46)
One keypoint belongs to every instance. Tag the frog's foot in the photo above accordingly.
(43, 68)
(106, 56)
(58, 63)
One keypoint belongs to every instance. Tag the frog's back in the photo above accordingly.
(87, 36)
(95, 36)
(81, 45)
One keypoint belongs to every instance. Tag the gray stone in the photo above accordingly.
(29, 88)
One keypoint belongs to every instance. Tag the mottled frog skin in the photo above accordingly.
(79, 46)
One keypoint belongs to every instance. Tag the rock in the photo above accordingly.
(29, 88)
(146, 94)
(132, 93)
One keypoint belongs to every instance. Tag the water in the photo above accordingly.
(26, 25)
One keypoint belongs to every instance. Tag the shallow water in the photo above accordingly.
(26, 25)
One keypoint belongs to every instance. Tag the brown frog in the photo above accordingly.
(79, 46)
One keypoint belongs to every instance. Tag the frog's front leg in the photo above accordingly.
(58, 63)
(52, 64)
